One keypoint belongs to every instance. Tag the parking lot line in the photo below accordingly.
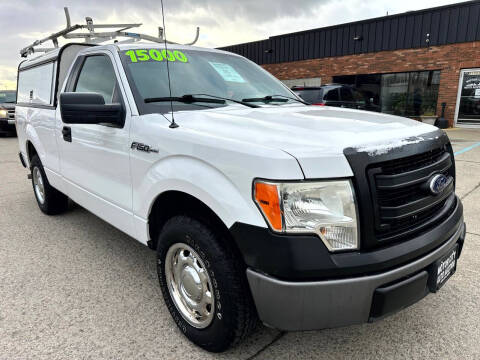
(468, 148)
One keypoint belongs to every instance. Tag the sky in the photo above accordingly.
(221, 22)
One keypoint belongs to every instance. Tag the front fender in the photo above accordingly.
(201, 180)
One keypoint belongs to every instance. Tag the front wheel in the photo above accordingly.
(204, 285)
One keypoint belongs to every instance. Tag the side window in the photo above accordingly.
(331, 95)
(346, 94)
(310, 96)
(359, 97)
(35, 85)
(98, 76)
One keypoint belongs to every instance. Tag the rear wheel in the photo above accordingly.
(204, 285)
(49, 200)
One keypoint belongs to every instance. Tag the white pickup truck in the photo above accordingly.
(258, 205)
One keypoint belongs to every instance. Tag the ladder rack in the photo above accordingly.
(94, 37)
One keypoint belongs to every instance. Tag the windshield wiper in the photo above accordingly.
(187, 99)
(266, 99)
(229, 99)
(192, 98)
(274, 98)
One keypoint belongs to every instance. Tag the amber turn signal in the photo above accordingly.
(267, 198)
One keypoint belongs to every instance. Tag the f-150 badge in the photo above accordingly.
(143, 147)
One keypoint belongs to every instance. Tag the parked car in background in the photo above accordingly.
(335, 95)
(8, 98)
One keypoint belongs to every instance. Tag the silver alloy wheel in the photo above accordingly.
(189, 285)
(38, 185)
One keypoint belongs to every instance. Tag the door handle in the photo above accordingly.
(67, 133)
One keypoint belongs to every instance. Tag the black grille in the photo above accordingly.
(411, 162)
(11, 114)
(402, 202)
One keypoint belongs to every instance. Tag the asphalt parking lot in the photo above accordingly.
(74, 287)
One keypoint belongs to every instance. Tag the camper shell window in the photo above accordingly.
(35, 85)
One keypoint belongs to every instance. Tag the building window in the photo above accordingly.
(303, 82)
(411, 94)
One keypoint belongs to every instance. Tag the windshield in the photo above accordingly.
(8, 97)
(196, 72)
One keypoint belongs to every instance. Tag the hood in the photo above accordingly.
(7, 106)
(314, 135)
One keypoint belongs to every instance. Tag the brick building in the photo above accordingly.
(406, 64)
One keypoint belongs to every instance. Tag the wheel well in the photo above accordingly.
(31, 151)
(172, 203)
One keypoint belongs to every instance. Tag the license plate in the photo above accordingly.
(443, 269)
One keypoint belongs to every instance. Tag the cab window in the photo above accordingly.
(98, 76)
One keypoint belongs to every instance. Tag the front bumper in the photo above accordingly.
(306, 258)
(293, 306)
(7, 125)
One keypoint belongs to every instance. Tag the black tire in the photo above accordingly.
(234, 316)
(54, 201)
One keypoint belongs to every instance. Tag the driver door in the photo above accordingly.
(94, 158)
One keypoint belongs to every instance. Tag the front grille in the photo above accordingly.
(11, 114)
(402, 202)
(411, 162)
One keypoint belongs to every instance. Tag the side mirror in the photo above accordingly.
(89, 108)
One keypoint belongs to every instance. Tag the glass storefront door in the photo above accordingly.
(468, 102)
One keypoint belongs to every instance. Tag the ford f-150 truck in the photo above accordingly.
(258, 205)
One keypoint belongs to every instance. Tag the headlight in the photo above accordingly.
(3, 114)
(326, 208)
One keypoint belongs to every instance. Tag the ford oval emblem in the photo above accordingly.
(438, 183)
